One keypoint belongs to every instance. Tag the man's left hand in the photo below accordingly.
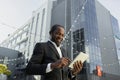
(77, 67)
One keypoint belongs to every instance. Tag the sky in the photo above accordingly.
(15, 13)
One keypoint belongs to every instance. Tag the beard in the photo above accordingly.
(57, 42)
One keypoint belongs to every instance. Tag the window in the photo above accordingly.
(78, 38)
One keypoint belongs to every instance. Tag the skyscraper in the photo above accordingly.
(89, 29)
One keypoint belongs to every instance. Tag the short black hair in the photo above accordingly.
(54, 27)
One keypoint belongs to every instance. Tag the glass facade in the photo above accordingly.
(85, 34)
(116, 33)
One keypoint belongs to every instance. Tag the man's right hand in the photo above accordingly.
(60, 63)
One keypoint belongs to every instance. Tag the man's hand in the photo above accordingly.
(60, 63)
(77, 67)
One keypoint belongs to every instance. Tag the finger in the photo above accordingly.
(64, 62)
(75, 68)
(80, 65)
(69, 60)
(74, 65)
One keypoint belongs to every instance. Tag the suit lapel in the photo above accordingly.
(53, 48)
(63, 53)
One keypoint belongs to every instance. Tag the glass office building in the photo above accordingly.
(88, 29)
(85, 34)
(116, 35)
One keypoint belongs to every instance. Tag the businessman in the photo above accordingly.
(50, 60)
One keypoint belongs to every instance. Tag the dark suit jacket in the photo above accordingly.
(43, 54)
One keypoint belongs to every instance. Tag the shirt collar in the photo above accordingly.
(55, 44)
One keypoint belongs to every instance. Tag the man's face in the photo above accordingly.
(58, 35)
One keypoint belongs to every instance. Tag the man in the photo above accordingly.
(50, 61)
